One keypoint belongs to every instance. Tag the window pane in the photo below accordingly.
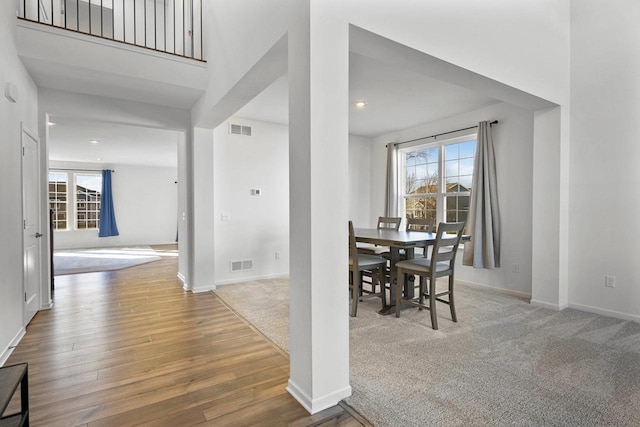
(467, 149)
(465, 182)
(432, 155)
(466, 166)
(432, 170)
(451, 168)
(88, 187)
(57, 198)
(420, 207)
(421, 157)
(451, 152)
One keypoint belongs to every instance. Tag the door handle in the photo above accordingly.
(38, 235)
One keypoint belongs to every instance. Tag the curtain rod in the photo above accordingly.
(79, 170)
(495, 122)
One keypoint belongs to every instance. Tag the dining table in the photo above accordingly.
(398, 240)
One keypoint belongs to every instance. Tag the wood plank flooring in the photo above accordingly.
(130, 347)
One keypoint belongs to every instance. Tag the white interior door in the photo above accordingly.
(31, 224)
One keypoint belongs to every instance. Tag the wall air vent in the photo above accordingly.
(241, 265)
(239, 130)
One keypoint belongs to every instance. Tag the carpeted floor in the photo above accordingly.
(73, 261)
(504, 363)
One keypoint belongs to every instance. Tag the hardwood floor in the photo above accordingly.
(130, 347)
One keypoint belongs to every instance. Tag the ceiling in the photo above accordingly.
(396, 99)
(70, 140)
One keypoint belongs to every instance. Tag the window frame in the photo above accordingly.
(440, 196)
(66, 202)
(72, 199)
(76, 202)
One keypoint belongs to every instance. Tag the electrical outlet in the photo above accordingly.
(277, 254)
(610, 281)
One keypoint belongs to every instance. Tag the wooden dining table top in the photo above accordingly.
(397, 238)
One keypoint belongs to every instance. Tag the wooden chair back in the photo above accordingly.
(445, 248)
(390, 222)
(353, 249)
(420, 224)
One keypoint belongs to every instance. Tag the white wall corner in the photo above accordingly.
(314, 406)
(549, 305)
(14, 342)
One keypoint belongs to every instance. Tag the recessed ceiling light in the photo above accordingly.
(94, 141)
(98, 158)
(50, 123)
(361, 104)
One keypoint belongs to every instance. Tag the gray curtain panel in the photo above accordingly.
(391, 194)
(483, 222)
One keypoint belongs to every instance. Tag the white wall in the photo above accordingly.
(513, 142)
(145, 200)
(361, 170)
(605, 106)
(11, 115)
(257, 226)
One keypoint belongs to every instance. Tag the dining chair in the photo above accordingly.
(384, 222)
(420, 224)
(441, 263)
(358, 264)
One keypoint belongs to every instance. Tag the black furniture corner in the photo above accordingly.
(10, 377)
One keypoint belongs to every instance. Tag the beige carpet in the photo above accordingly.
(74, 261)
(504, 363)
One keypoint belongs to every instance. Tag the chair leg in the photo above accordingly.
(452, 306)
(432, 302)
(421, 290)
(355, 291)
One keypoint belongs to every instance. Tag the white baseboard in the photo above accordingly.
(518, 294)
(316, 405)
(201, 289)
(47, 306)
(14, 342)
(605, 312)
(183, 280)
(250, 279)
(552, 306)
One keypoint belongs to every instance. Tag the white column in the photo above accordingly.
(185, 142)
(550, 209)
(202, 277)
(318, 141)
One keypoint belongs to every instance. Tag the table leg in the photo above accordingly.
(408, 285)
(389, 308)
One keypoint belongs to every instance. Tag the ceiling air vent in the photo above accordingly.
(239, 130)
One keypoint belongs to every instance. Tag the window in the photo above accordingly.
(87, 196)
(58, 196)
(436, 179)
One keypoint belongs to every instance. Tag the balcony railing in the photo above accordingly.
(171, 26)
